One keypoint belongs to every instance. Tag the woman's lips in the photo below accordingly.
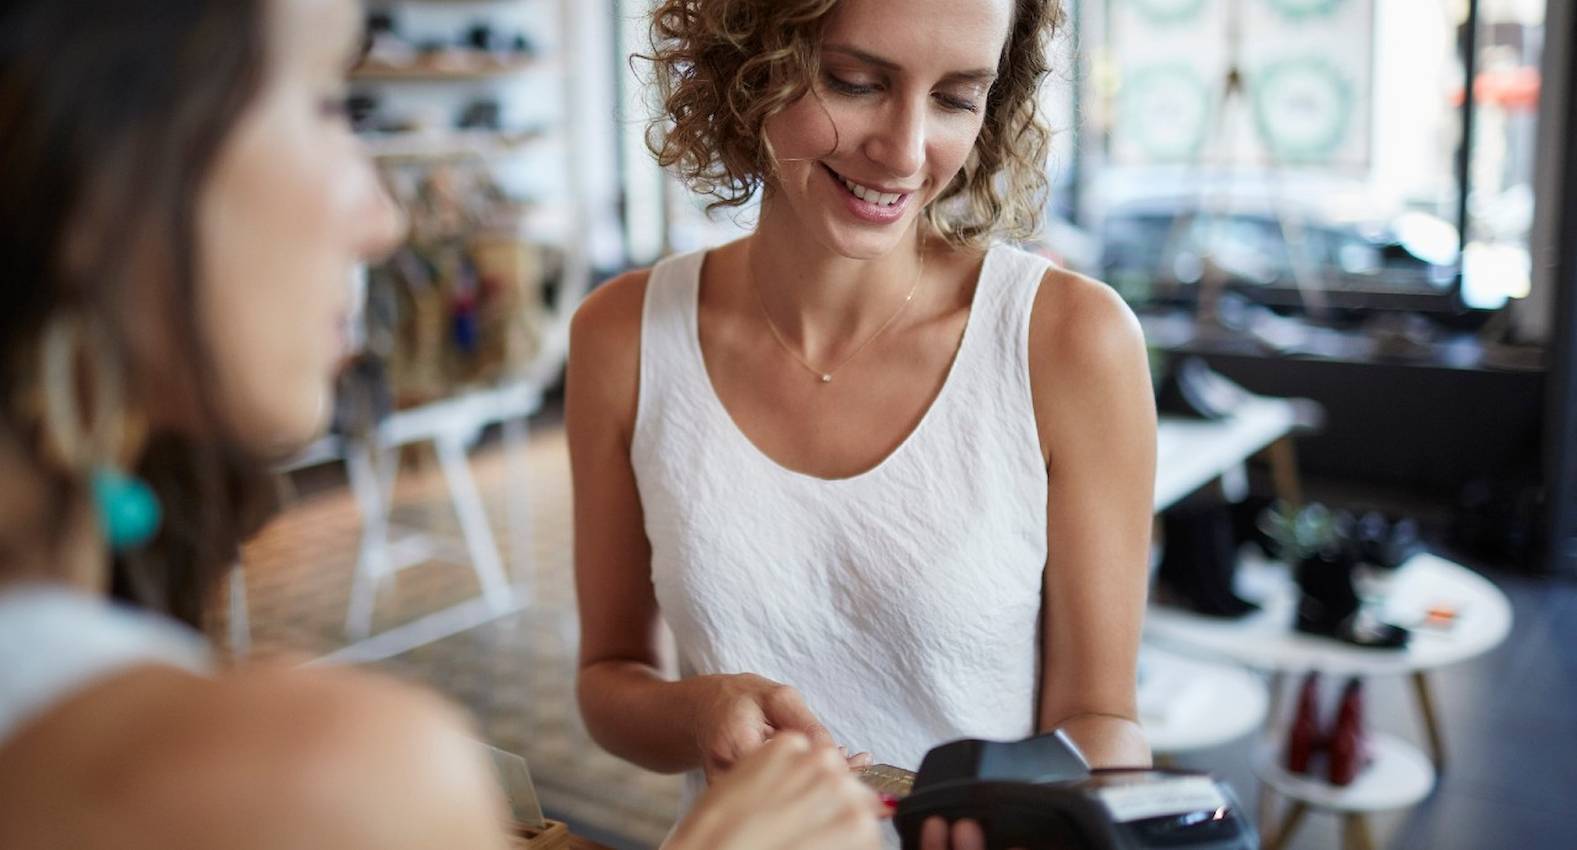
(873, 213)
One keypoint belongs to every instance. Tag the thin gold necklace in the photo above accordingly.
(825, 376)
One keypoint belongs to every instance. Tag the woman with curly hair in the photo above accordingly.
(887, 480)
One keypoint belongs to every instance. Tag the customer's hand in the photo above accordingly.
(965, 835)
(787, 795)
(739, 713)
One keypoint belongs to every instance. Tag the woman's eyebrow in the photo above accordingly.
(977, 74)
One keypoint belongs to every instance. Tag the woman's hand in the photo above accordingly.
(965, 835)
(788, 794)
(737, 714)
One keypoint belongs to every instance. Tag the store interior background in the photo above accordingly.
(1353, 225)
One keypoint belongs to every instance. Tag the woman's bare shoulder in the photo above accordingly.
(603, 376)
(265, 758)
(613, 309)
(1089, 368)
(1081, 318)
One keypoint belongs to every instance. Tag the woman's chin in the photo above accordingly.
(285, 434)
(860, 244)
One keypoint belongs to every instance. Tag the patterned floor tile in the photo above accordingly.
(515, 674)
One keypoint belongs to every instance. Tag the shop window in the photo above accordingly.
(1305, 154)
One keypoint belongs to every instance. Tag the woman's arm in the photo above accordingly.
(630, 708)
(1096, 416)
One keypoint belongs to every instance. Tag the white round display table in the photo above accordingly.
(1186, 704)
(1266, 640)
(1398, 776)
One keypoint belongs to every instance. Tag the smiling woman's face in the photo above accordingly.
(891, 120)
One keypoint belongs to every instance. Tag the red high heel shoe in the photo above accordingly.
(1303, 738)
(1349, 746)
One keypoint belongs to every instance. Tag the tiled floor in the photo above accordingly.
(1510, 717)
(516, 674)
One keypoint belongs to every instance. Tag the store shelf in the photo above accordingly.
(1399, 776)
(453, 67)
(422, 147)
(387, 3)
(430, 89)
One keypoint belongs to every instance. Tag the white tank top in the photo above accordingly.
(903, 602)
(56, 642)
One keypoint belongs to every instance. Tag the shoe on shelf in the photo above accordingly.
(1328, 606)
(1199, 560)
(1386, 543)
(1349, 741)
(1303, 736)
(1192, 389)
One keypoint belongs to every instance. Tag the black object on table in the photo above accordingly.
(1039, 794)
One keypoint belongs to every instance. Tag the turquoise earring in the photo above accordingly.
(128, 510)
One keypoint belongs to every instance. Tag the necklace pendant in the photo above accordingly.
(826, 379)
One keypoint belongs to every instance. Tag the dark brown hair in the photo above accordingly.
(112, 115)
(723, 67)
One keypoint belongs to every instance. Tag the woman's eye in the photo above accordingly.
(958, 104)
(848, 87)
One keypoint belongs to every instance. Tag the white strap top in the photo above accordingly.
(902, 602)
(55, 642)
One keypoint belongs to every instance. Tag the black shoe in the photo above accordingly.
(1329, 607)
(1246, 527)
(1191, 389)
(1386, 544)
(1199, 561)
(1360, 628)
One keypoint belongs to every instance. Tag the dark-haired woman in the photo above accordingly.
(887, 481)
(181, 206)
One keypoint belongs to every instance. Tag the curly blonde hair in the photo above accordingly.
(724, 67)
